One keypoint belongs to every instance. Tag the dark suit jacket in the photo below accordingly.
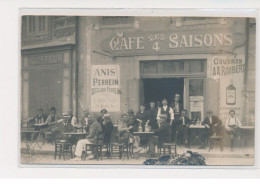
(40, 117)
(163, 133)
(60, 128)
(186, 120)
(215, 120)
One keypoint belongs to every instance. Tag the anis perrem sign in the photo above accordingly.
(105, 88)
(180, 42)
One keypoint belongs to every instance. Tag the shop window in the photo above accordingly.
(149, 67)
(42, 23)
(196, 87)
(196, 99)
(196, 66)
(176, 67)
(32, 24)
(37, 25)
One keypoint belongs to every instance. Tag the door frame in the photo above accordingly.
(186, 101)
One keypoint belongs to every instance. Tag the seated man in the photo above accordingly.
(62, 126)
(213, 124)
(53, 117)
(125, 130)
(107, 128)
(162, 135)
(94, 130)
(40, 117)
(232, 125)
(182, 126)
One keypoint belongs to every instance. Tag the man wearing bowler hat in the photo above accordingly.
(53, 117)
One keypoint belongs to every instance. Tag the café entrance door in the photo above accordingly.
(155, 89)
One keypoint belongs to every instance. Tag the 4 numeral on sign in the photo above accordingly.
(156, 46)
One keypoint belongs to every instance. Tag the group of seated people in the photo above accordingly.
(164, 121)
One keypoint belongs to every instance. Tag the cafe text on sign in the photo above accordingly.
(145, 43)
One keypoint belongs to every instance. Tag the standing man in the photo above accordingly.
(100, 118)
(165, 109)
(182, 128)
(84, 119)
(152, 115)
(177, 108)
(94, 130)
(72, 119)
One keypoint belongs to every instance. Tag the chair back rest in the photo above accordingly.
(100, 138)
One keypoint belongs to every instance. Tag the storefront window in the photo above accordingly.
(196, 98)
(196, 66)
(175, 67)
(196, 87)
(150, 67)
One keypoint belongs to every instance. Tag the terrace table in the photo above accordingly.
(74, 137)
(199, 131)
(247, 134)
(30, 141)
(147, 135)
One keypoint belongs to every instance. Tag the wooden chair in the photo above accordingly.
(216, 139)
(95, 148)
(213, 140)
(123, 148)
(169, 146)
(62, 148)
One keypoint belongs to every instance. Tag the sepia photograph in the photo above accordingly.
(137, 90)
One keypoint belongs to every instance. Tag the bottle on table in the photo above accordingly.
(140, 129)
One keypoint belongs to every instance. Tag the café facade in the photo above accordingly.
(91, 63)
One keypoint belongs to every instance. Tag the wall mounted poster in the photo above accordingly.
(230, 71)
(105, 88)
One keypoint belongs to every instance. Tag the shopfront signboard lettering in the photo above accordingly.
(105, 88)
(175, 42)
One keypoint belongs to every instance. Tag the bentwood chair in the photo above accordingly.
(169, 146)
(95, 148)
(216, 139)
(124, 148)
(62, 148)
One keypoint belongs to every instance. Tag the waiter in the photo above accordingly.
(177, 109)
(165, 109)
